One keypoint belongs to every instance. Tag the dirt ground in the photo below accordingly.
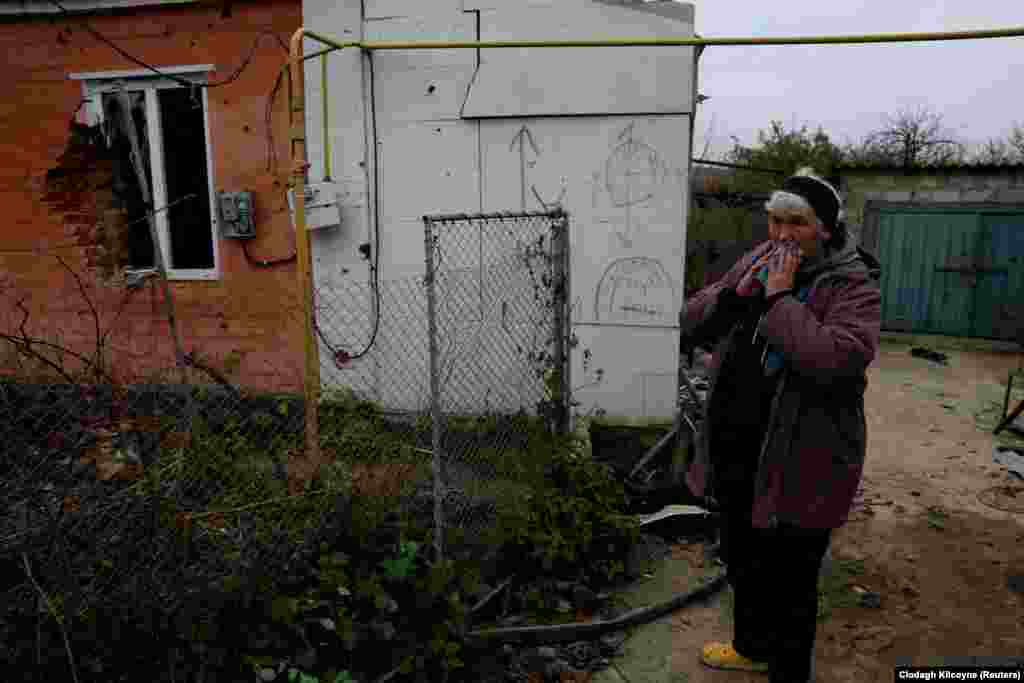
(938, 556)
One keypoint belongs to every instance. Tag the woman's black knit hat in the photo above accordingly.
(822, 198)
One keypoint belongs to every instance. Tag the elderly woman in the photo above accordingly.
(793, 325)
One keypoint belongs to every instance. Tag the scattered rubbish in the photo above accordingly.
(1011, 458)
(679, 523)
(928, 354)
(910, 591)
(671, 511)
(871, 600)
(548, 653)
(487, 596)
(613, 642)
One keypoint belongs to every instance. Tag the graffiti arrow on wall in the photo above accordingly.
(522, 136)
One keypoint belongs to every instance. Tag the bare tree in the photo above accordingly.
(1016, 141)
(995, 152)
(1008, 150)
(910, 138)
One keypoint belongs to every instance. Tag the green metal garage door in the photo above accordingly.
(952, 271)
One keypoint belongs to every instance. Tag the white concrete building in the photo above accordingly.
(606, 131)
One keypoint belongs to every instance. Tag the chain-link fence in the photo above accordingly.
(140, 469)
(497, 319)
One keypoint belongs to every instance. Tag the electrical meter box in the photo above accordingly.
(323, 205)
(236, 215)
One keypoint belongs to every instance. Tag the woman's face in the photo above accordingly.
(801, 227)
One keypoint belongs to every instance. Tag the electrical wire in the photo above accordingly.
(375, 257)
(265, 263)
(342, 356)
(268, 263)
(268, 122)
(177, 79)
(76, 243)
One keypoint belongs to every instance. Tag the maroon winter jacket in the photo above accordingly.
(813, 452)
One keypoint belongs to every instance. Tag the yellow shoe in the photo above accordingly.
(723, 656)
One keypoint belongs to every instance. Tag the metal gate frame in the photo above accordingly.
(970, 268)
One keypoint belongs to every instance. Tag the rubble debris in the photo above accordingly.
(671, 511)
(1011, 458)
(928, 354)
(871, 600)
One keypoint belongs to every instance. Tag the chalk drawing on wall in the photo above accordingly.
(632, 171)
(633, 174)
(524, 137)
(636, 289)
(524, 140)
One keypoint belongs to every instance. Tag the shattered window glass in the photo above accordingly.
(181, 111)
(127, 187)
(182, 199)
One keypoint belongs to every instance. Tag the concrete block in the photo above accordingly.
(897, 196)
(977, 195)
(946, 196)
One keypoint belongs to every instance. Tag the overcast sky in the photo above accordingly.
(977, 85)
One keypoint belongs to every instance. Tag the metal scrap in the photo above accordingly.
(1011, 458)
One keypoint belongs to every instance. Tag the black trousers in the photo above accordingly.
(774, 577)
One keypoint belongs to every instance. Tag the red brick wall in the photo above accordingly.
(250, 310)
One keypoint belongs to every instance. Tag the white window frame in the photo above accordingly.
(94, 85)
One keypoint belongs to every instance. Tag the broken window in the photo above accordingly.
(168, 177)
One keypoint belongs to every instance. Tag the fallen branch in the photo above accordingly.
(92, 307)
(214, 374)
(24, 346)
(60, 622)
(33, 353)
(487, 598)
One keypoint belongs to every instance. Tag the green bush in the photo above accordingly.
(572, 521)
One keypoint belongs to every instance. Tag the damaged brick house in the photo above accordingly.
(75, 236)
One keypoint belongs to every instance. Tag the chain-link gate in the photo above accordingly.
(497, 318)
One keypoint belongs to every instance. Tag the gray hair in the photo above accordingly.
(787, 201)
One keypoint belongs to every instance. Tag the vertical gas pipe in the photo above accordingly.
(311, 354)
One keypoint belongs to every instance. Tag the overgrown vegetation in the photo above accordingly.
(175, 529)
(209, 566)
